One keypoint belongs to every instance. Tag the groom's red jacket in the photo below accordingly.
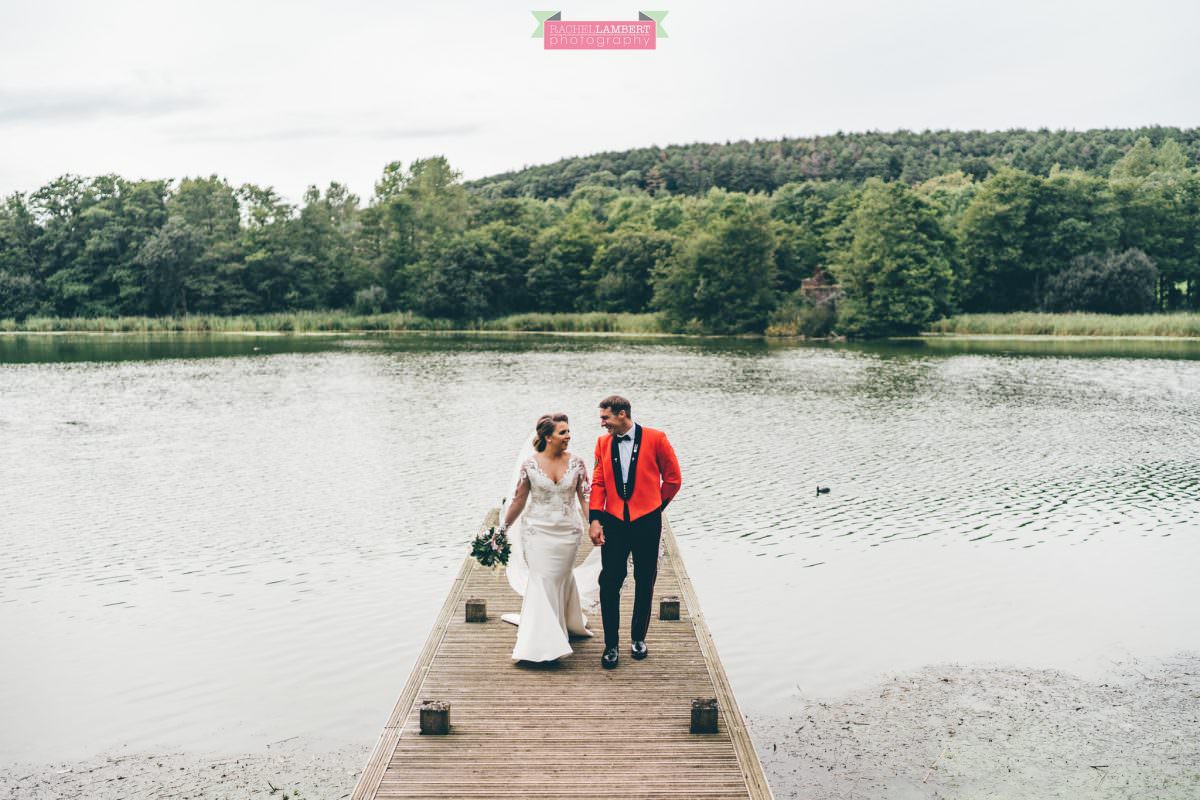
(654, 471)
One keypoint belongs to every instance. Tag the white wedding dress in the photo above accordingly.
(545, 539)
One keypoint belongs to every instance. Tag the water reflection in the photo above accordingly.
(62, 347)
(1071, 347)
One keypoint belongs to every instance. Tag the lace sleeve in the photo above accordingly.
(516, 503)
(522, 487)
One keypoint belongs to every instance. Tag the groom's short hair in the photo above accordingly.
(616, 404)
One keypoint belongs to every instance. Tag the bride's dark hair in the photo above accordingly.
(545, 427)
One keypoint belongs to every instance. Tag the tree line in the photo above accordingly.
(769, 164)
(726, 261)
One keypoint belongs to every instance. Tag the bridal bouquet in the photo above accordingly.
(491, 548)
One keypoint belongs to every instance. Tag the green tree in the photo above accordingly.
(329, 268)
(454, 278)
(950, 194)
(125, 216)
(473, 275)
(511, 246)
(629, 210)
(1159, 200)
(413, 210)
(1074, 214)
(595, 198)
(22, 288)
(560, 274)
(1137, 163)
(1109, 283)
(439, 202)
(721, 277)
(1171, 158)
(169, 263)
(91, 231)
(271, 272)
(893, 263)
(993, 235)
(1143, 159)
(59, 245)
(667, 213)
(624, 265)
(216, 283)
(803, 214)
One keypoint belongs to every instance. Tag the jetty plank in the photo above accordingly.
(568, 729)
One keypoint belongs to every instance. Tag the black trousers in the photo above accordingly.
(639, 537)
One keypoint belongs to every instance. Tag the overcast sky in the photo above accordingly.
(295, 93)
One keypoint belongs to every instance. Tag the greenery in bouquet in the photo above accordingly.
(491, 548)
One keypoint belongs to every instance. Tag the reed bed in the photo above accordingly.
(333, 321)
(587, 322)
(295, 322)
(1039, 324)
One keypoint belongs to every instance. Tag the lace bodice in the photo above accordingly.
(549, 499)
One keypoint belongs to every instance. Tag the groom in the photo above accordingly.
(636, 475)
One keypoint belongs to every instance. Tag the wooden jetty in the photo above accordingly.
(569, 729)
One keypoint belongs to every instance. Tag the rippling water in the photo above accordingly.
(217, 543)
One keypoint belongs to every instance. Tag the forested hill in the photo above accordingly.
(764, 165)
(1123, 237)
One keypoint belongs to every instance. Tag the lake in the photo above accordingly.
(219, 542)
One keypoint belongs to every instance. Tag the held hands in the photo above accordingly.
(596, 533)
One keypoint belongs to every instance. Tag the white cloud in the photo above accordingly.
(70, 105)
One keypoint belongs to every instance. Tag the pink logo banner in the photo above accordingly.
(599, 35)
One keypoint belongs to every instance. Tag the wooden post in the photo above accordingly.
(476, 610)
(435, 718)
(668, 608)
(704, 715)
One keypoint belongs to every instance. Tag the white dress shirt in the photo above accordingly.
(625, 451)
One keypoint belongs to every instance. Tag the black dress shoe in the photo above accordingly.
(609, 659)
(639, 650)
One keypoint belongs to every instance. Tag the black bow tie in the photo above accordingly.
(623, 438)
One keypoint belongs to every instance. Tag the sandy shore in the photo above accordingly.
(957, 732)
(943, 732)
(285, 771)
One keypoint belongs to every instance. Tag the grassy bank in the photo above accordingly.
(333, 321)
(591, 322)
(1035, 324)
(1021, 323)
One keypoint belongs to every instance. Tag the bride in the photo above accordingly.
(544, 526)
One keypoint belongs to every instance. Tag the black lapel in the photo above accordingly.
(633, 459)
(616, 467)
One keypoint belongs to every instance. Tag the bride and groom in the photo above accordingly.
(635, 476)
